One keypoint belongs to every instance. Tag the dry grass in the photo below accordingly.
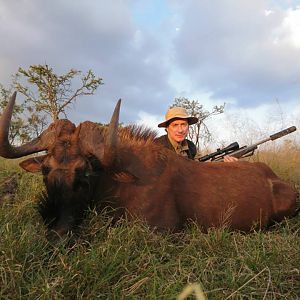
(129, 261)
(284, 160)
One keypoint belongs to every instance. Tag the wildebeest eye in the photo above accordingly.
(45, 170)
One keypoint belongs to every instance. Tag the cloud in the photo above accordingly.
(97, 35)
(242, 52)
(233, 49)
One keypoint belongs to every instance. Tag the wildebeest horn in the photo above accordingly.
(9, 151)
(112, 136)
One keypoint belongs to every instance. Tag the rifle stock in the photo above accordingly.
(245, 151)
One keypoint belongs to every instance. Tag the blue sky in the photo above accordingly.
(243, 53)
(150, 15)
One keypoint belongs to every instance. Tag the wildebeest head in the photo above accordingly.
(75, 157)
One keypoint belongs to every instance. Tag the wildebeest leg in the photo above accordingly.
(284, 199)
(152, 206)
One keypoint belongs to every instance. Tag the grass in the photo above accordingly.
(284, 161)
(128, 260)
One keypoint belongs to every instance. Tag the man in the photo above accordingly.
(176, 124)
(177, 127)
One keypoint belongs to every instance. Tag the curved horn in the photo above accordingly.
(112, 136)
(6, 149)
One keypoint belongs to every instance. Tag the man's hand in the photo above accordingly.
(228, 158)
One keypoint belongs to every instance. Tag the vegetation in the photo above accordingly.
(129, 261)
(51, 93)
(46, 98)
(20, 127)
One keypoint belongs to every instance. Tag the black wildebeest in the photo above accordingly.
(126, 169)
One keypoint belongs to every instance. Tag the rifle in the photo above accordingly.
(239, 152)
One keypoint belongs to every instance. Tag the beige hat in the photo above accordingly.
(177, 113)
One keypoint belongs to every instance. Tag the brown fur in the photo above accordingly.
(169, 190)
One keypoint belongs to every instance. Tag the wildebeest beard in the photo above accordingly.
(63, 209)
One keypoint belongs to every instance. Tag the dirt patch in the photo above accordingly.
(8, 188)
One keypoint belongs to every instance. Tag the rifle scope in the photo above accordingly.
(227, 150)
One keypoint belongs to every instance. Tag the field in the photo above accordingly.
(129, 261)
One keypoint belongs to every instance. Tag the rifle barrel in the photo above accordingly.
(282, 133)
(277, 135)
(239, 152)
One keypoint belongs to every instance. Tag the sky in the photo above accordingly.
(244, 53)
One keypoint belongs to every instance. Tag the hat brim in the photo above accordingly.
(191, 121)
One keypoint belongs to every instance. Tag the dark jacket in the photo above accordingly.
(191, 152)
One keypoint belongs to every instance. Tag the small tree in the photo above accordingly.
(54, 93)
(18, 129)
(199, 131)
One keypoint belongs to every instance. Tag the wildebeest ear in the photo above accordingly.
(33, 164)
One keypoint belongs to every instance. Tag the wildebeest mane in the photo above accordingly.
(136, 134)
(132, 135)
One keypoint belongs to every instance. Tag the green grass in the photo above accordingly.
(129, 261)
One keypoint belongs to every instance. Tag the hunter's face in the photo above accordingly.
(178, 130)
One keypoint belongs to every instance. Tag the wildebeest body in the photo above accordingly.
(124, 168)
(237, 194)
